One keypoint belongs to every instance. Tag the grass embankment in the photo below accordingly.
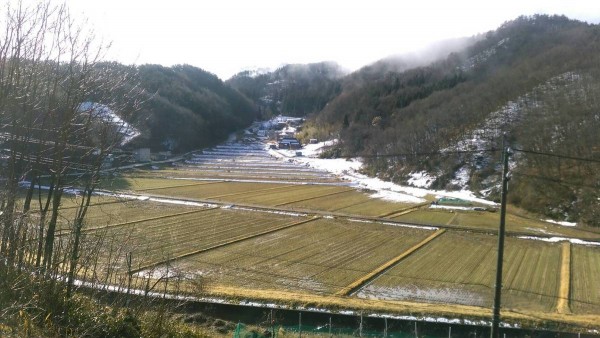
(562, 306)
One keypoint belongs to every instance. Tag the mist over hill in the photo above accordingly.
(295, 90)
(535, 79)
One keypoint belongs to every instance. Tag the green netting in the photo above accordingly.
(453, 201)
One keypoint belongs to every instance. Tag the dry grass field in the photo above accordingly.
(460, 268)
(321, 256)
(585, 279)
(157, 240)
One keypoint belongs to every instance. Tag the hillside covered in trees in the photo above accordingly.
(295, 90)
(535, 79)
(186, 108)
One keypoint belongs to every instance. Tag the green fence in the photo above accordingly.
(243, 331)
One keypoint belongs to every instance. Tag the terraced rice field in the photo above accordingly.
(342, 199)
(144, 181)
(156, 240)
(108, 210)
(225, 191)
(515, 223)
(292, 196)
(288, 195)
(104, 210)
(249, 161)
(427, 217)
(460, 268)
(374, 208)
(351, 202)
(585, 279)
(321, 256)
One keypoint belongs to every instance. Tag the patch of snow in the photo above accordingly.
(565, 224)
(395, 197)
(421, 227)
(348, 169)
(421, 179)
(104, 113)
(163, 272)
(560, 239)
(461, 177)
(314, 149)
(338, 166)
(545, 232)
(420, 293)
(359, 220)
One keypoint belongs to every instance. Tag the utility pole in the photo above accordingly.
(360, 328)
(300, 325)
(495, 333)
(385, 331)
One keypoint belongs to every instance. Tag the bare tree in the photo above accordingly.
(50, 70)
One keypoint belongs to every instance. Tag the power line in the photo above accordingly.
(455, 152)
(556, 155)
(556, 180)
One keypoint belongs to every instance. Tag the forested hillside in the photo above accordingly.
(537, 79)
(184, 107)
(295, 90)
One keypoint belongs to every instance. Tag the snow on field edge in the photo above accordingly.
(565, 224)
(348, 169)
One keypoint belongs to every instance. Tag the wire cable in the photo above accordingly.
(592, 160)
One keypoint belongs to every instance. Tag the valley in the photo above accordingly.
(263, 225)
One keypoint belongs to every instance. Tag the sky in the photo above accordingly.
(227, 36)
